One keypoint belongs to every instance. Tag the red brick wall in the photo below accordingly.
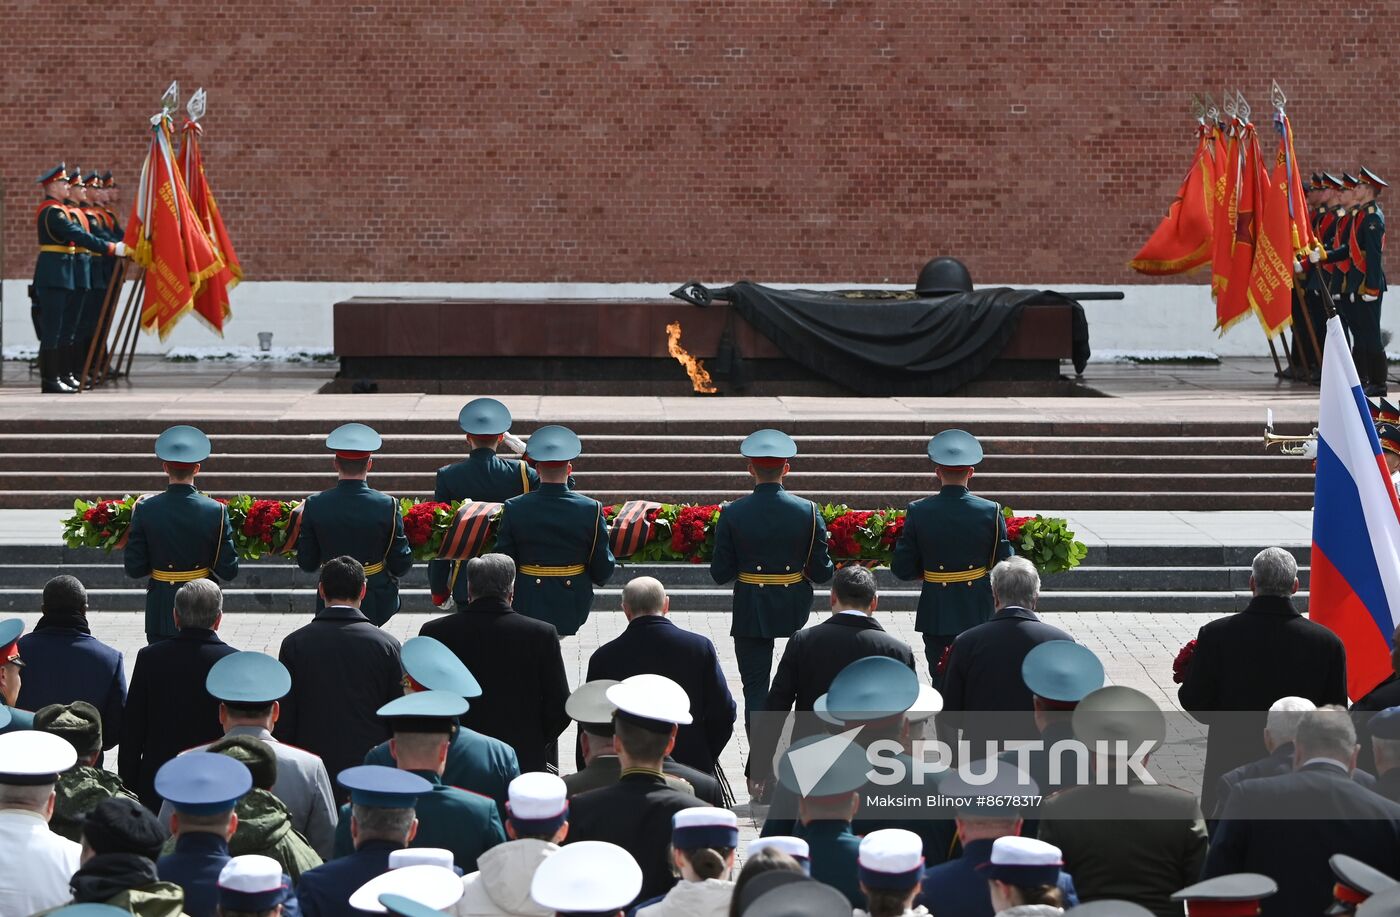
(811, 140)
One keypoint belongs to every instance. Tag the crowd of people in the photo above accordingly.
(353, 774)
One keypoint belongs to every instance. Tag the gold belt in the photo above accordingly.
(537, 570)
(179, 576)
(771, 579)
(371, 569)
(960, 576)
(59, 249)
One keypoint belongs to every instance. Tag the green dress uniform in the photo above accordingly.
(951, 540)
(178, 536)
(56, 280)
(475, 762)
(353, 519)
(449, 818)
(1368, 246)
(773, 546)
(558, 540)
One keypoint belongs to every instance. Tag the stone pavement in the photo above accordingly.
(1137, 650)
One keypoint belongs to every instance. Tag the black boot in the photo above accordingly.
(65, 367)
(50, 383)
(1360, 359)
(1380, 368)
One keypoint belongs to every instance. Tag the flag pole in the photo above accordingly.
(104, 318)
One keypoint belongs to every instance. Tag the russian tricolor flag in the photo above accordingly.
(1355, 586)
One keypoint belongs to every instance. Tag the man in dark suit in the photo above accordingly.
(816, 655)
(178, 535)
(1382, 697)
(1385, 742)
(951, 541)
(1280, 729)
(774, 545)
(557, 537)
(653, 644)
(353, 519)
(505, 651)
(66, 663)
(343, 670)
(590, 708)
(1247, 661)
(1287, 827)
(482, 476)
(167, 708)
(983, 673)
(635, 813)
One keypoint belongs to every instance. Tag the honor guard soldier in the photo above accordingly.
(588, 877)
(1356, 883)
(475, 762)
(557, 537)
(382, 801)
(774, 544)
(482, 476)
(466, 823)
(1367, 247)
(61, 235)
(75, 200)
(11, 671)
(951, 541)
(203, 787)
(353, 519)
(101, 224)
(180, 535)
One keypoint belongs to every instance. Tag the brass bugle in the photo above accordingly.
(1288, 445)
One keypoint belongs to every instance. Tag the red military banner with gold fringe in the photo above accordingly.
(1226, 210)
(1270, 289)
(1182, 240)
(212, 301)
(1232, 301)
(165, 238)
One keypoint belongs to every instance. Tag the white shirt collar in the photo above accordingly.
(1332, 761)
(852, 611)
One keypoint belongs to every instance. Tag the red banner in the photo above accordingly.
(1232, 298)
(1271, 271)
(212, 302)
(1182, 240)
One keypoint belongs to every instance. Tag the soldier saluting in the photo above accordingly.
(179, 535)
(55, 285)
(557, 537)
(483, 476)
(951, 541)
(353, 519)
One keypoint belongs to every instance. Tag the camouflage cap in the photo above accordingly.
(254, 754)
(78, 723)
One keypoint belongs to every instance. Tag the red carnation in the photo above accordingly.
(418, 522)
(1014, 524)
(690, 529)
(1182, 661)
(841, 532)
(262, 519)
(99, 514)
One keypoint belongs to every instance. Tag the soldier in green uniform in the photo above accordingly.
(951, 541)
(1367, 256)
(85, 784)
(483, 476)
(11, 671)
(450, 818)
(61, 235)
(179, 535)
(557, 537)
(353, 519)
(76, 202)
(774, 544)
(101, 225)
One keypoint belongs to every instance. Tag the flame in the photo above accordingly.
(699, 377)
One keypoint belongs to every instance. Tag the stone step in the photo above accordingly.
(682, 463)
(1022, 500)
(275, 441)
(285, 575)
(645, 482)
(697, 600)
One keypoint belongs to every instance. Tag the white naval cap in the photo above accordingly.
(704, 826)
(420, 856)
(794, 847)
(1025, 861)
(587, 877)
(537, 796)
(891, 858)
(30, 757)
(652, 697)
(251, 883)
(436, 887)
(926, 705)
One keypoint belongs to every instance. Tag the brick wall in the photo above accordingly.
(613, 140)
